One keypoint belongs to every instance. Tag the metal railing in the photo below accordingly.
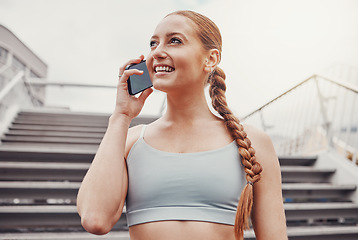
(16, 82)
(13, 82)
(27, 92)
(13, 94)
(43, 83)
(318, 113)
(88, 97)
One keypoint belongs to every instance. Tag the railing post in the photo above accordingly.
(11, 84)
(326, 122)
(8, 63)
(262, 121)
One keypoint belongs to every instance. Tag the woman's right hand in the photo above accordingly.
(128, 105)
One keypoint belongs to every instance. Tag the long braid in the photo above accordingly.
(252, 167)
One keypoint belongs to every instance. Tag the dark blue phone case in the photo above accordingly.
(138, 83)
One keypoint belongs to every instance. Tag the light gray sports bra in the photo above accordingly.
(199, 186)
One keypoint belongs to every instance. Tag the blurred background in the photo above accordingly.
(291, 67)
(268, 46)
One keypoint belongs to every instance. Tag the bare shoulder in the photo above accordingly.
(132, 137)
(261, 142)
(258, 137)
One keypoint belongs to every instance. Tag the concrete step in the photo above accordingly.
(17, 153)
(316, 233)
(53, 140)
(58, 123)
(42, 171)
(318, 211)
(39, 191)
(59, 112)
(72, 147)
(65, 117)
(317, 191)
(47, 133)
(71, 126)
(45, 217)
(58, 128)
(297, 160)
(306, 174)
(323, 233)
(59, 117)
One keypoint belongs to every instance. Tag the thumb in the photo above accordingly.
(144, 95)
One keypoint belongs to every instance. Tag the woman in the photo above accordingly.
(182, 175)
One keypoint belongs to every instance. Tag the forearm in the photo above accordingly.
(103, 190)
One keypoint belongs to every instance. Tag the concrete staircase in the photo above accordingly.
(44, 156)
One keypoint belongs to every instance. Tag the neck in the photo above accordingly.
(187, 107)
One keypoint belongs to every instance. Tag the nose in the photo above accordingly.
(159, 52)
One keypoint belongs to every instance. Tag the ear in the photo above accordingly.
(212, 60)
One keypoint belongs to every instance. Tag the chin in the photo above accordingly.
(162, 86)
(166, 85)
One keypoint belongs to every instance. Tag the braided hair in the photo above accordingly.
(210, 37)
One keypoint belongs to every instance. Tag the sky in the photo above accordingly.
(268, 46)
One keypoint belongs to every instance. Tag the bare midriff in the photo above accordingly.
(180, 230)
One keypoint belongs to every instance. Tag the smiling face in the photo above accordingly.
(177, 58)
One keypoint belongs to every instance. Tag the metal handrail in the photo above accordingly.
(340, 83)
(279, 96)
(302, 125)
(11, 84)
(314, 76)
(39, 82)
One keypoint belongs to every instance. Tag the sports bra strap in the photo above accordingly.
(143, 130)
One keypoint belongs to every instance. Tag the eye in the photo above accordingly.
(153, 43)
(175, 41)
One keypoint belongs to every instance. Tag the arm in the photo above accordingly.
(268, 216)
(103, 191)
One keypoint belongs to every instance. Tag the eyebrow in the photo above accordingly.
(172, 34)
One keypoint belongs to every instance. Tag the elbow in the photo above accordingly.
(95, 225)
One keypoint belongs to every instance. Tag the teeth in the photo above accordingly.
(164, 69)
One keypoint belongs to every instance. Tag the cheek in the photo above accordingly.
(149, 63)
(149, 60)
(194, 65)
(189, 61)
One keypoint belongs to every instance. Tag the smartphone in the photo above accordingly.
(138, 83)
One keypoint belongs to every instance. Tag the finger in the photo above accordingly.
(132, 61)
(145, 94)
(127, 73)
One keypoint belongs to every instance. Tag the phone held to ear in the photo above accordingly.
(138, 83)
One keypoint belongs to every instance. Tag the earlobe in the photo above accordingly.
(207, 67)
